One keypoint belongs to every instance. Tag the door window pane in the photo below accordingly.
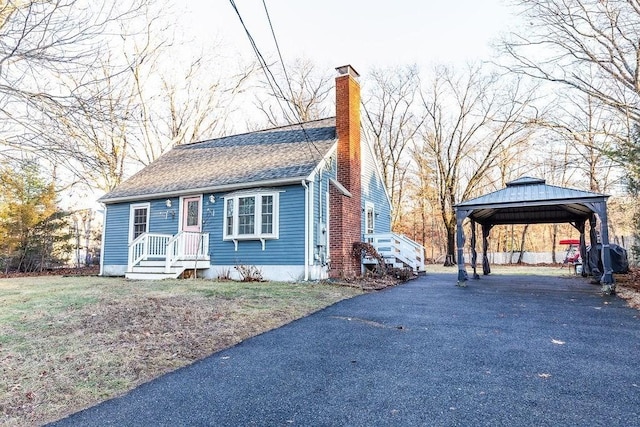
(369, 220)
(192, 212)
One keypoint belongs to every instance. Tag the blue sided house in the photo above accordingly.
(287, 202)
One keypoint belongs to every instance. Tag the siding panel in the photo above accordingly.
(288, 249)
(373, 191)
(116, 234)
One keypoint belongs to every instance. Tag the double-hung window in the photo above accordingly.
(251, 216)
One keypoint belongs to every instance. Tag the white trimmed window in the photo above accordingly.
(369, 219)
(138, 220)
(251, 216)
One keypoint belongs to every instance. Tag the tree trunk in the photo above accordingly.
(450, 259)
(524, 233)
(554, 239)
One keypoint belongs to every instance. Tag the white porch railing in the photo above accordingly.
(147, 245)
(182, 246)
(396, 247)
(187, 245)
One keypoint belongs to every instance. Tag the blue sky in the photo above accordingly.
(363, 33)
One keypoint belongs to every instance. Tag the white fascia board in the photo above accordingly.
(323, 161)
(212, 189)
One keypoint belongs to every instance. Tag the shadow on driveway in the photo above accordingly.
(505, 351)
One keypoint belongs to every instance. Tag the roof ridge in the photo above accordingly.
(301, 124)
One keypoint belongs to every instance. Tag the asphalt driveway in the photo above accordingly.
(505, 351)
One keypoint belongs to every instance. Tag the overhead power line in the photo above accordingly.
(275, 87)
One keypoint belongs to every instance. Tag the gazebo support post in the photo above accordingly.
(462, 272)
(486, 268)
(593, 254)
(579, 225)
(608, 285)
(474, 253)
(606, 276)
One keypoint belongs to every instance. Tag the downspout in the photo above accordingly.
(306, 230)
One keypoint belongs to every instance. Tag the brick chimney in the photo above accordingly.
(346, 210)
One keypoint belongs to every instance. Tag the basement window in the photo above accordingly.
(251, 216)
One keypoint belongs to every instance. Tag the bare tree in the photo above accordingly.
(191, 103)
(390, 125)
(94, 141)
(299, 93)
(53, 54)
(587, 133)
(471, 120)
(589, 45)
(41, 41)
(126, 106)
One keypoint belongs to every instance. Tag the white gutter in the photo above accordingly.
(306, 230)
(202, 190)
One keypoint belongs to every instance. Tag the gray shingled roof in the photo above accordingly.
(530, 200)
(265, 157)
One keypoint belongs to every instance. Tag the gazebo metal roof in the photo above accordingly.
(530, 200)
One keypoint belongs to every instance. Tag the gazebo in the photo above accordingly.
(529, 200)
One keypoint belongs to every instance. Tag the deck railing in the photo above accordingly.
(171, 248)
(396, 247)
(187, 245)
(148, 245)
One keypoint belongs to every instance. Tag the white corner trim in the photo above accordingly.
(104, 227)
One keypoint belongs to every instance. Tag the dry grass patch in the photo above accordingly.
(68, 343)
(628, 287)
(516, 269)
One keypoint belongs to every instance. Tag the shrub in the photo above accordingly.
(249, 273)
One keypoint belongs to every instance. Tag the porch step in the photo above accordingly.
(155, 270)
(150, 276)
(392, 262)
(203, 262)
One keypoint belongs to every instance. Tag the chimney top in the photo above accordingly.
(348, 70)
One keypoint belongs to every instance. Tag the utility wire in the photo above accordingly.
(287, 79)
(279, 93)
(263, 64)
(275, 40)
